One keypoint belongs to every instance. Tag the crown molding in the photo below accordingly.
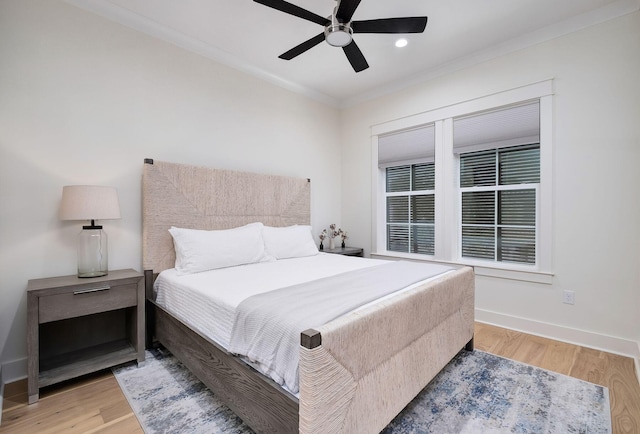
(130, 19)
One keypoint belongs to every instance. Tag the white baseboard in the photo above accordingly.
(610, 344)
(14, 371)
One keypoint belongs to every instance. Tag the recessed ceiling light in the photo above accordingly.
(401, 43)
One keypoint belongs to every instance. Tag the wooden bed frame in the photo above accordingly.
(356, 372)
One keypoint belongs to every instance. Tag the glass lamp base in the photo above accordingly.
(92, 252)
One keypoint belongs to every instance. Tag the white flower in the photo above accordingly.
(333, 232)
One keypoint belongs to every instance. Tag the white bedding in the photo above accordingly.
(207, 301)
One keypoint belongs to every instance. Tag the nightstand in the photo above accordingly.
(346, 251)
(77, 326)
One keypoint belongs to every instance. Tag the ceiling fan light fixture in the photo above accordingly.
(338, 35)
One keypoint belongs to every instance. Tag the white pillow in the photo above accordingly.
(289, 242)
(200, 250)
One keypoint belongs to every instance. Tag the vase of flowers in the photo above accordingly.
(333, 233)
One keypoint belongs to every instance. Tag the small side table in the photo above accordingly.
(346, 251)
(77, 326)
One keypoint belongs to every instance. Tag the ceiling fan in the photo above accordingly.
(339, 29)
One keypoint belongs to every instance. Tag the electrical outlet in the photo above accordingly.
(568, 297)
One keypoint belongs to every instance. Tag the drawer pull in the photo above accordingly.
(86, 291)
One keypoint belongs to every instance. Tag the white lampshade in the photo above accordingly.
(90, 202)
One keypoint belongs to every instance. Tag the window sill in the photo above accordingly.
(501, 272)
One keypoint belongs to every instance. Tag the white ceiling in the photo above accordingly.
(249, 36)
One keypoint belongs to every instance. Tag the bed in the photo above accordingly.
(356, 372)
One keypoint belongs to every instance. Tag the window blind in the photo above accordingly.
(414, 144)
(502, 127)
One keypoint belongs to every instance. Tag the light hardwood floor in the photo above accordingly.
(96, 403)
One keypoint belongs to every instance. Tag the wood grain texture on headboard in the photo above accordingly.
(205, 198)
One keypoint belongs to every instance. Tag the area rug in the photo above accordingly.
(476, 392)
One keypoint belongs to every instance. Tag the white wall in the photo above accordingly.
(596, 206)
(84, 100)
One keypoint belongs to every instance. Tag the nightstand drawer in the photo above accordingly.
(86, 301)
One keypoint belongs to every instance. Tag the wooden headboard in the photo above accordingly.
(205, 198)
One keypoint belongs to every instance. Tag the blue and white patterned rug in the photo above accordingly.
(476, 392)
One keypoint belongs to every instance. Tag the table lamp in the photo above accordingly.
(90, 202)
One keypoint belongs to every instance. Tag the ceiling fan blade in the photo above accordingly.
(294, 10)
(346, 10)
(355, 56)
(299, 49)
(391, 25)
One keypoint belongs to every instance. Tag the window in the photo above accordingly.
(498, 196)
(410, 208)
(406, 160)
(469, 183)
(499, 177)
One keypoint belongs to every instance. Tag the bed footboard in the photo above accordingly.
(360, 370)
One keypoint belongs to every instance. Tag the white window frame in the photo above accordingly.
(447, 197)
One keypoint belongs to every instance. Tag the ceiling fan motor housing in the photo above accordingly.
(338, 35)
